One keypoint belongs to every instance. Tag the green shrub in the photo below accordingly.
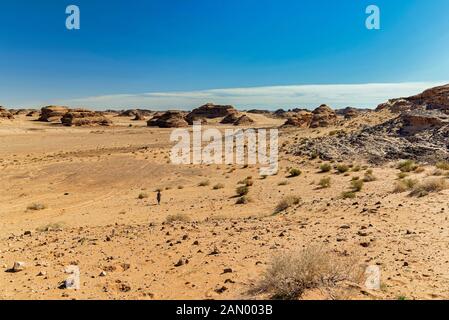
(325, 182)
(407, 166)
(342, 168)
(286, 203)
(325, 167)
(295, 172)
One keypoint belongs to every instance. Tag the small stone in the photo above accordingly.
(227, 270)
(103, 274)
(27, 233)
(18, 266)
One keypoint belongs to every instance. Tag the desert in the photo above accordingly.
(355, 188)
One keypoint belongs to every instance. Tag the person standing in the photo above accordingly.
(158, 197)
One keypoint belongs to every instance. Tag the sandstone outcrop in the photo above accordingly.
(52, 113)
(169, 119)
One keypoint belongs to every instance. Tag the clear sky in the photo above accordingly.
(178, 53)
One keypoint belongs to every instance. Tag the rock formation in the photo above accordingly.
(243, 121)
(323, 116)
(169, 119)
(421, 135)
(83, 117)
(210, 111)
(301, 119)
(5, 114)
(230, 119)
(432, 99)
(52, 113)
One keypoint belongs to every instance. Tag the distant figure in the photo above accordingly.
(158, 197)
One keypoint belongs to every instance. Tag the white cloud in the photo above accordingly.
(273, 97)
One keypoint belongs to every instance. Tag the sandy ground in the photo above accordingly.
(90, 179)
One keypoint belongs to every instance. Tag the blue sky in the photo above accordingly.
(175, 54)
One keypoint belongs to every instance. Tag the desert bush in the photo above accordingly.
(342, 168)
(369, 177)
(286, 203)
(295, 172)
(407, 166)
(443, 165)
(248, 181)
(242, 200)
(356, 185)
(325, 182)
(143, 196)
(218, 186)
(325, 167)
(429, 186)
(242, 191)
(204, 183)
(50, 227)
(404, 185)
(177, 218)
(37, 206)
(291, 273)
(348, 195)
(402, 175)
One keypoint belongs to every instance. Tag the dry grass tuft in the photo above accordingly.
(292, 273)
(429, 186)
(177, 218)
(37, 206)
(286, 203)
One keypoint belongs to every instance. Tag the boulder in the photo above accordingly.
(210, 111)
(52, 113)
(169, 119)
(323, 116)
(83, 117)
(139, 117)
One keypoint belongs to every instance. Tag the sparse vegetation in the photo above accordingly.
(242, 191)
(248, 181)
(204, 183)
(242, 200)
(295, 172)
(429, 186)
(407, 166)
(325, 167)
(50, 227)
(342, 168)
(283, 183)
(290, 274)
(218, 186)
(286, 203)
(177, 218)
(443, 165)
(356, 185)
(325, 182)
(37, 206)
(143, 196)
(348, 195)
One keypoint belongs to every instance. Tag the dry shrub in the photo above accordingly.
(37, 206)
(295, 173)
(356, 185)
(407, 166)
(443, 165)
(143, 196)
(348, 195)
(404, 185)
(325, 182)
(242, 200)
(325, 167)
(219, 186)
(342, 168)
(286, 203)
(429, 186)
(242, 191)
(283, 183)
(50, 227)
(291, 273)
(204, 183)
(177, 218)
